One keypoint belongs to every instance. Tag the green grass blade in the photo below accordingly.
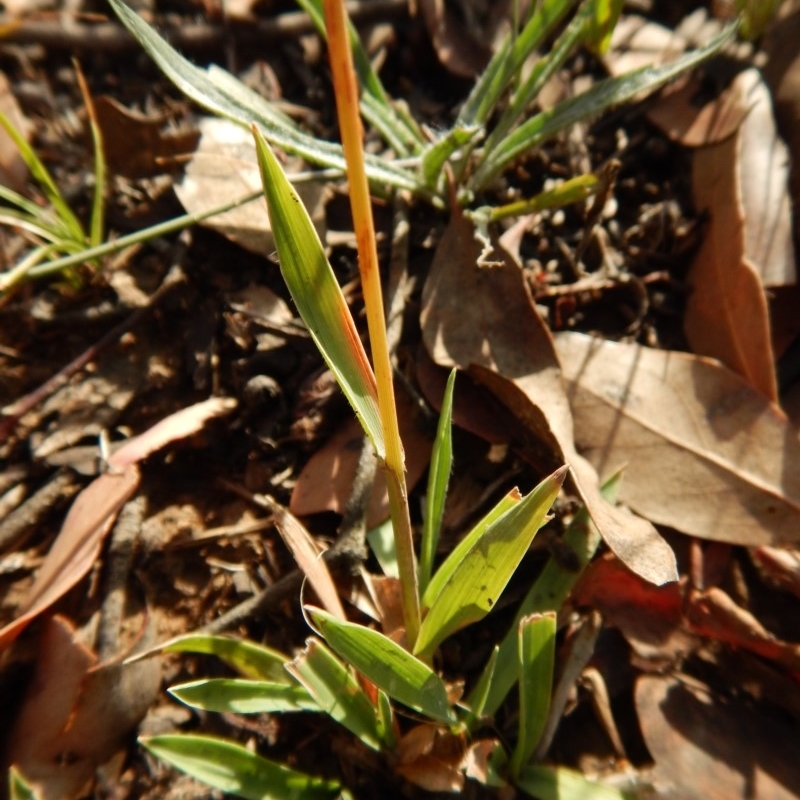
(560, 783)
(605, 14)
(602, 96)
(548, 593)
(239, 696)
(97, 217)
(438, 480)
(537, 648)
(545, 68)
(507, 62)
(478, 580)
(480, 692)
(44, 179)
(381, 542)
(446, 571)
(233, 769)
(212, 95)
(336, 691)
(390, 667)
(252, 660)
(317, 295)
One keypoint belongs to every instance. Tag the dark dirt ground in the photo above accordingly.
(200, 550)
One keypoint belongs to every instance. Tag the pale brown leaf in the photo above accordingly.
(13, 171)
(703, 451)
(483, 320)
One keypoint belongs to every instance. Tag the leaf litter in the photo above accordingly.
(705, 452)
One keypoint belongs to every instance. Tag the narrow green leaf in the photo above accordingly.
(44, 179)
(548, 593)
(601, 97)
(560, 783)
(478, 580)
(337, 692)
(506, 65)
(18, 787)
(252, 660)
(216, 96)
(387, 665)
(312, 284)
(537, 647)
(446, 570)
(605, 14)
(231, 768)
(480, 692)
(240, 696)
(438, 480)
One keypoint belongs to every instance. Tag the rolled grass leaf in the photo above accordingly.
(477, 580)
(601, 97)
(438, 480)
(336, 691)
(231, 768)
(239, 696)
(537, 646)
(317, 295)
(390, 667)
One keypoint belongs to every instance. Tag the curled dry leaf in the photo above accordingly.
(703, 451)
(483, 320)
(224, 169)
(707, 748)
(77, 713)
(91, 516)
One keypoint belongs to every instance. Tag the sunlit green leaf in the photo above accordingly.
(390, 667)
(231, 768)
(248, 658)
(537, 645)
(480, 692)
(312, 284)
(438, 480)
(478, 579)
(453, 561)
(437, 153)
(560, 783)
(337, 692)
(381, 542)
(240, 696)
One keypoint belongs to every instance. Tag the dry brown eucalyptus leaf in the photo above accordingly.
(703, 451)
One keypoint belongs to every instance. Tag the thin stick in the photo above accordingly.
(347, 106)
